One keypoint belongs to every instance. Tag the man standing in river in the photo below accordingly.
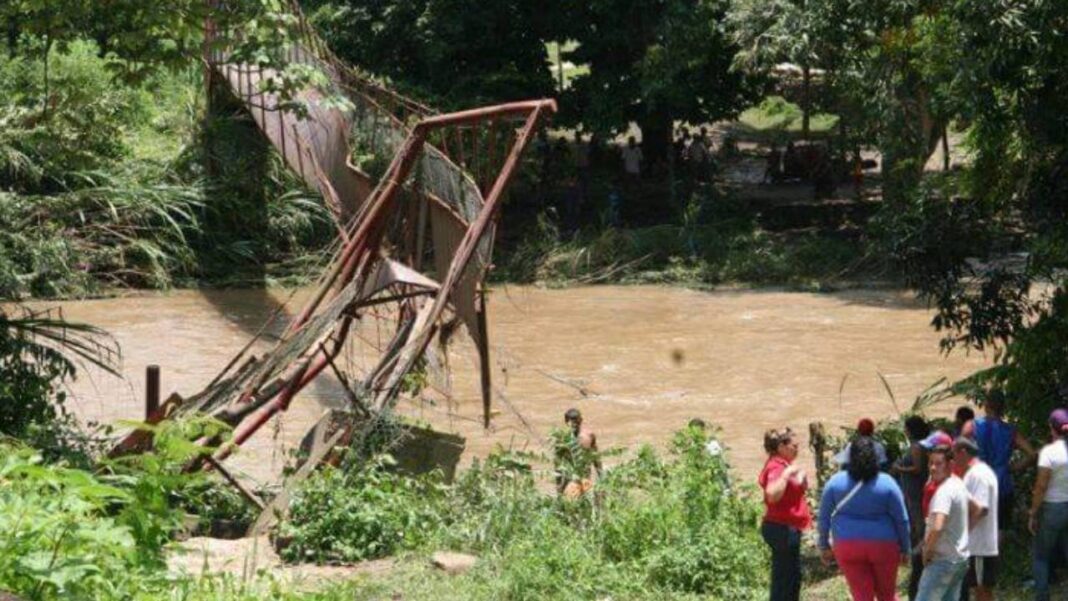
(576, 457)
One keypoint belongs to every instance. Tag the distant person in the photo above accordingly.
(786, 512)
(982, 486)
(865, 429)
(997, 440)
(773, 166)
(961, 418)
(583, 164)
(1048, 518)
(945, 545)
(864, 511)
(582, 153)
(698, 153)
(578, 458)
(613, 216)
(632, 159)
(679, 148)
(911, 470)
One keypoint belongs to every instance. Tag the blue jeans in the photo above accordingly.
(785, 543)
(1052, 530)
(941, 580)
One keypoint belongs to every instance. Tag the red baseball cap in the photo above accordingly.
(865, 427)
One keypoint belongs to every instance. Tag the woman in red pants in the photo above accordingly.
(864, 526)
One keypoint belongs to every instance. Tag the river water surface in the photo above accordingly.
(638, 361)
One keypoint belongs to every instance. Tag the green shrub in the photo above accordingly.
(357, 514)
(61, 537)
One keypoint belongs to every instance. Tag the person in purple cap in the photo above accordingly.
(1049, 502)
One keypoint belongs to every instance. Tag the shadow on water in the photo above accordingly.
(245, 174)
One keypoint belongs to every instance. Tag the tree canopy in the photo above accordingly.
(452, 53)
(653, 62)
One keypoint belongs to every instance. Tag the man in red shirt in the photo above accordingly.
(784, 484)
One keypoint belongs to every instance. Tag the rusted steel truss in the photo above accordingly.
(414, 243)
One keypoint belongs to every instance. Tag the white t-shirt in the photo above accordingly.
(951, 500)
(982, 485)
(1054, 457)
(632, 160)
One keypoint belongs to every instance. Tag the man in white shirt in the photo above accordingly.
(982, 485)
(945, 546)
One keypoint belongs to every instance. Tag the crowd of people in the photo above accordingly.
(942, 508)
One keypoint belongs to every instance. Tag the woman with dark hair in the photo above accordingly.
(1049, 502)
(864, 526)
(911, 470)
(784, 484)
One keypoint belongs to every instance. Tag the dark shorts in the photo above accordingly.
(982, 571)
(1006, 503)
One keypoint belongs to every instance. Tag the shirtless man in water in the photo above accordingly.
(577, 485)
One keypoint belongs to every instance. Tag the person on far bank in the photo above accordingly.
(1048, 519)
(863, 511)
(982, 486)
(632, 159)
(997, 440)
(945, 545)
(787, 514)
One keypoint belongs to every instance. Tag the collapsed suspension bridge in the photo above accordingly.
(414, 241)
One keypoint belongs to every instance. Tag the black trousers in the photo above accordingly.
(785, 543)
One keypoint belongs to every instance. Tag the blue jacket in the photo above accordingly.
(876, 513)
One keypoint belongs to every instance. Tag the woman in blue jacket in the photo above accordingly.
(864, 526)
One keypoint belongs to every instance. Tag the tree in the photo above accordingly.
(888, 65)
(652, 62)
(453, 53)
(990, 249)
(140, 38)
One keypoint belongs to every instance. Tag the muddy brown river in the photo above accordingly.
(638, 361)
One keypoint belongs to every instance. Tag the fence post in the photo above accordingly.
(151, 391)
